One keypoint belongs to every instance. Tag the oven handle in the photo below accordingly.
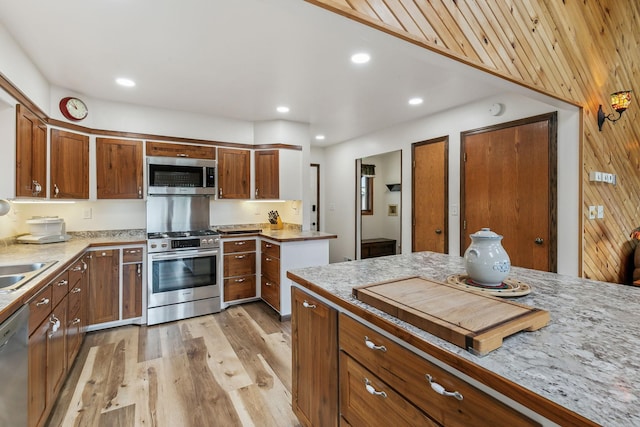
(183, 254)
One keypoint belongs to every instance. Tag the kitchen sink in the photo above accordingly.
(14, 276)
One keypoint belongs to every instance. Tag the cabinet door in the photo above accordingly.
(103, 289)
(56, 351)
(131, 290)
(233, 173)
(314, 327)
(119, 168)
(31, 154)
(38, 374)
(180, 150)
(267, 169)
(69, 165)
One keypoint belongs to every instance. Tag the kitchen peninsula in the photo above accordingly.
(582, 368)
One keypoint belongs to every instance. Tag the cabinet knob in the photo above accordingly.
(56, 190)
(220, 192)
(438, 231)
(36, 188)
(256, 193)
(539, 241)
(139, 192)
(75, 290)
(441, 390)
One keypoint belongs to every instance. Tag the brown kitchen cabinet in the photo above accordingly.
(267, 174)
(55, 336)
(163, 149)
(104, 293)
(132, 269)
(270, 274)
(119, 169)
(234, 173)
(370, 248)
(31, 154)
(69, 165)
(314, 332)
(239, 269)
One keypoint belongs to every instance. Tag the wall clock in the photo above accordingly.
(73, 108)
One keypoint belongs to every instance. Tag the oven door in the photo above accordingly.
(182, 276)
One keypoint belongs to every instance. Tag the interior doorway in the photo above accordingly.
(429, 195)
(314, 195)
(509, 184)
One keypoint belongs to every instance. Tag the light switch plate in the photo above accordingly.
(592, 212)
(600, 212)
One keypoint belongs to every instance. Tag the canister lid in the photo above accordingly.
(485, 233)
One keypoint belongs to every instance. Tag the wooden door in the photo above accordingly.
(267, 169)
(119, 168)
(131, 290)
(31, 154)
(314, 330)
(38, 374)
(104, 293)
(314, 196)
(430, 196)
(509, 185)
(234, 173)
(69, 165)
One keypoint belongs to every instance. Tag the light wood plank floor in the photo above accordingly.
(228, 369)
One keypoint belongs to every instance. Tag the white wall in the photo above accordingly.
(339, 164)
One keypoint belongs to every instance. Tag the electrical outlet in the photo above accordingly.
(599, 176)
(600, 212)
(592, 212)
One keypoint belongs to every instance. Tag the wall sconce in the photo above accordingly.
(620, 102)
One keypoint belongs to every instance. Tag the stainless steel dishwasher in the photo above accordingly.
(14, 363)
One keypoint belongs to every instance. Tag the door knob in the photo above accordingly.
(438, 231)
(539, 241)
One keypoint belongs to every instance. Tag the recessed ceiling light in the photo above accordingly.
(125, 82)
(415, 101)
(360, 58)
(282, 109)
(320, 137)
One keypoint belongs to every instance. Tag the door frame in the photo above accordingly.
(317, 167)
(445, 140)
(552, 120)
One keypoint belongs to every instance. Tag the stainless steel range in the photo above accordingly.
(183, 259)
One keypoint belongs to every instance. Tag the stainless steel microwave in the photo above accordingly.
(168, 175)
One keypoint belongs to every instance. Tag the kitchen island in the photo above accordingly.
(583, 366)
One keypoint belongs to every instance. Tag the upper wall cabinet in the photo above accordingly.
(31, 154)
(180, 150)
(69, 165)
(119, 168)
(267, 172)
(234, 173)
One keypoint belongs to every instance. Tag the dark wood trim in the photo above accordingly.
(269, 146)
(21, 98)
(552, 119)
(444, 139)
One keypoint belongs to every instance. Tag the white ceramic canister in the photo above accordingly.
(486, 261)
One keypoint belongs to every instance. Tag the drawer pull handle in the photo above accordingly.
(75, 321)
(77, 268)
(372, 390)
(441, 390)
(268, 284)
(267, 259)
(372, 346)
(43, 301)
(239, 280)
(307, 305)
(63, 283)
(268, 245)
(75, 290)
(240, 243)
(240, 256)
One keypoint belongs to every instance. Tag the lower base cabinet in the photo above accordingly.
(314, 329)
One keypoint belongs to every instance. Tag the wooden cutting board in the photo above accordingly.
(472, 321)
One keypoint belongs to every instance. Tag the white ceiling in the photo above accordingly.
(240, 59)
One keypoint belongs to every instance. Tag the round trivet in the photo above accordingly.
(508, 288)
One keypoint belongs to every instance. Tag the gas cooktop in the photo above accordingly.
(181, 234)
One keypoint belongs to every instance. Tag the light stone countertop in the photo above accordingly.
(587, 359)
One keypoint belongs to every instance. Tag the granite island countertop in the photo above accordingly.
(586, 359)
(283, 235)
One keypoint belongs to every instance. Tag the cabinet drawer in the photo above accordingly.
(406, 371)
(270, 267)
(75, 273)
(248, 245)
(180, 150)
(239, 287)
(270, 292)
(75, 299)
(367, 400)
(131, 255)
(60, 288)
(39, 308)
(270, 249)
(239, 264)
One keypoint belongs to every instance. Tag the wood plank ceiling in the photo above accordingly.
(577, 51)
